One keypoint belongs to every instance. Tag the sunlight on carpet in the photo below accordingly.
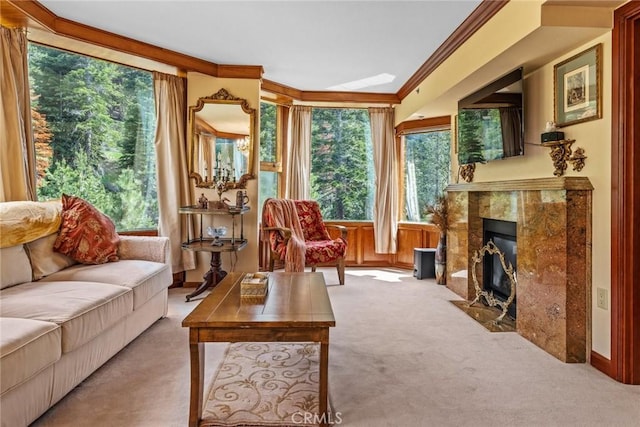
(265, 384)
(384, 275)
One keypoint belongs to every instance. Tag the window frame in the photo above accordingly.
(154, 231)
(365, 108)
(412, 127)
(279, 166)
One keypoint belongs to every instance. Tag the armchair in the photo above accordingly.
(297, 234)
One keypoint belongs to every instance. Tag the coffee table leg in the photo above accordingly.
(324, 381)
(197, 373)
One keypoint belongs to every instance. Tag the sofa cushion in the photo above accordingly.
(24, 221)
(82, 309)
(146, 278)
(44, 260)
(14, 266)
(26, 348)
(86, 234)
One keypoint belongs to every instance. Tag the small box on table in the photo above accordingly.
(254, 288)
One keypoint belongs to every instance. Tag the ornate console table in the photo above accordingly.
(214, 246)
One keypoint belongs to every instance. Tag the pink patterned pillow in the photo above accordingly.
(86, 234)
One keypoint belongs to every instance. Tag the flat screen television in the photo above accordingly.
(491, 121)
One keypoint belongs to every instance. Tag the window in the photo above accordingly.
(94, 130)
(427, 164)
(269, 152)
(268, 134)
(342, 177)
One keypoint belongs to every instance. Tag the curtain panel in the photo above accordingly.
(18, 160)
(510, 123)
(298, 186)
(385, 163)
(174, 189)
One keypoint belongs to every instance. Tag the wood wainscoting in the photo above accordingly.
(360, 244)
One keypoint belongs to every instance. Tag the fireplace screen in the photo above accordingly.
(498, 258)
(495, 279)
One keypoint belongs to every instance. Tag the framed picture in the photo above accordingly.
(577, 85)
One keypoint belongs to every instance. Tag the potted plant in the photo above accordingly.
(437, 214)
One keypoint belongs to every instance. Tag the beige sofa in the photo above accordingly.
(60, 321)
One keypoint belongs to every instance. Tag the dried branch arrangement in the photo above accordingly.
(438, 213)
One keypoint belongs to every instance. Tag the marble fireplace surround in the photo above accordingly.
(553, 217)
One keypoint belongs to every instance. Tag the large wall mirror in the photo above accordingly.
(222, 140)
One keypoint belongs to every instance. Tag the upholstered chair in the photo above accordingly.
(279, 228)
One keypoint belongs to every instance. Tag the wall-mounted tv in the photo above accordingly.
(491, 121)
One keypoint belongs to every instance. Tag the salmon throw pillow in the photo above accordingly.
(86, 234)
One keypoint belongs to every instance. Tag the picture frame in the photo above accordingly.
(577, 88)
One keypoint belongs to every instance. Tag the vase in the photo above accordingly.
(441, 259)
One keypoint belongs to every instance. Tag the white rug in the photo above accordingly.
(265, 384)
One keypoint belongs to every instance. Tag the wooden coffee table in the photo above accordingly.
(297, 309)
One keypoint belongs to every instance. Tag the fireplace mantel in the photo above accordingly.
(562, 183)
(553, 217)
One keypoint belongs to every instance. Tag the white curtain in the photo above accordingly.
(298, 187)
(17, 162)
(208, 145)
(385, 210)
(174, 188)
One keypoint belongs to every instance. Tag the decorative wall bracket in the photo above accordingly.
(492, 249)
(466, 171)
(561, 153)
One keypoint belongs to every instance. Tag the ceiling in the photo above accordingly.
(306, 45)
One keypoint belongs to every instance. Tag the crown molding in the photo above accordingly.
(329, 96)
(483, 13)
(36, 12)
(280, 89)
(11, 17)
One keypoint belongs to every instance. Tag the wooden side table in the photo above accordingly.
(214, 246)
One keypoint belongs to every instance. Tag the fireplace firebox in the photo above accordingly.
(494, 278)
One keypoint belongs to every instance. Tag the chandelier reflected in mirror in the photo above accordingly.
(243, 144)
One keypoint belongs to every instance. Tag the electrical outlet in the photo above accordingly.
(603, 299)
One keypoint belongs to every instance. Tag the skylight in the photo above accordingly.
(366, 82)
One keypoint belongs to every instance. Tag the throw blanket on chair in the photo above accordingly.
(282, 213)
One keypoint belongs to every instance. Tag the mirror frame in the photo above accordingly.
(222, 97)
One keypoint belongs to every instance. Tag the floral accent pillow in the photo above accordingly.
(86, 234)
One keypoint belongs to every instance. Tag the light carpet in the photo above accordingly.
(401, 354)
(265, 384)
